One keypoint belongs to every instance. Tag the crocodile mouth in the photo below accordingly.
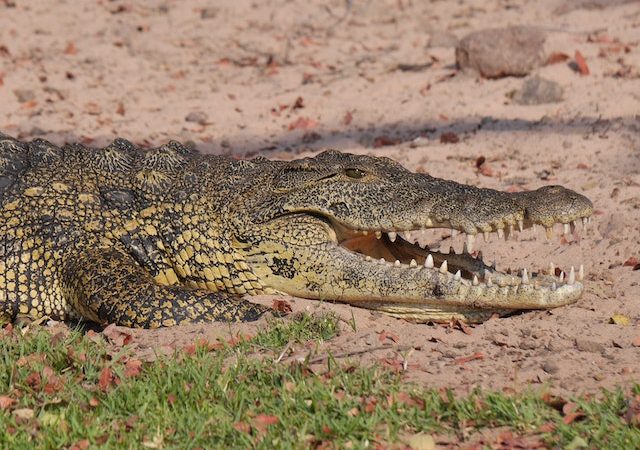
(407, 249)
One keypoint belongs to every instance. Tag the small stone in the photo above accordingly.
(550, 366)
(538, 91)
(585, 345)
(528, 344)
(197, 117)
(501, 52)
(24, 95)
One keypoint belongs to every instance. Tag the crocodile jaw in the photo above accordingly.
(420, 285)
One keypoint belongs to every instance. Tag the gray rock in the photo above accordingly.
(197, 116)
(585, 345)
(550, 366)
(501, 52)
(537, 91)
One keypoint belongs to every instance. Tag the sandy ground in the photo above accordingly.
(288, 78)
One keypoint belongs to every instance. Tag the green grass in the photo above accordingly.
(80, 393)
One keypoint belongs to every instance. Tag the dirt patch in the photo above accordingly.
(288, 79)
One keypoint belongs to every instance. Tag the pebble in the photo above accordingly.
(501, 52)
(538, 91)
(550, 366)
(585, 345)
(197, 116)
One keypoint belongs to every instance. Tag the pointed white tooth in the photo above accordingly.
(585, 221)
(475, 280)
(566, 228)
(454, 233)
(552, 269)
(574, 226)
(521, 225)
(457, 276)
(500, 233)
(392, 236)
(553, 286)
(470, 241)
(443, 267)
(382, 260)
(488, 280)
(428, 223)
(510, 231)
(378, 234)
(413, 263)
(561, 277)
(397, 263)
(368, 258)
(548, 232)
(429, 262)
(581, 273)
(525, 277)
(487, 236)
(364, 232)
(572, 276)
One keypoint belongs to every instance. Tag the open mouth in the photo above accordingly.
(407, 249)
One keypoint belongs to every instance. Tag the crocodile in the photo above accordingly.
(163, 236)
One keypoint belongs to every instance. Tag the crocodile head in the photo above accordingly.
(331, 228)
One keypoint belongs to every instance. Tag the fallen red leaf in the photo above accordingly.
(70, 49)
(80, 445)
(281, 305)
(242, 427)
(547, 427)
(583, 69)
(383, 141)
(631, 261)
(449, 137)
(171, 399)
(116, 336)
(6, 402)
(348, 118)
(262, 421)
(572, 417)
(466, 359)
(93, 402)
(302, 123)
(384, 335)
(34, 380)
(106, 379)
(557, 57)
(132, 368)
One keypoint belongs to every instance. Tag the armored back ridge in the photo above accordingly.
(157, 237)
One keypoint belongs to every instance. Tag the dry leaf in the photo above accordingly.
(6, 402)
(583, 69)
(302, 123)
(620, 319)
(420, 442)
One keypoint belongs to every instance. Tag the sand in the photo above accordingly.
(288, 79)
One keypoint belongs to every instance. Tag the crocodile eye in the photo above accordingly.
(354, 173)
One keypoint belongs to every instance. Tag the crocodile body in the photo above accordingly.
(158, 237)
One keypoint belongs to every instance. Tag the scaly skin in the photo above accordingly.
(158, 237)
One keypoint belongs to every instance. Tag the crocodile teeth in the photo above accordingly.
(585, 221)
(475, 280)
(392, 236)
(454, 233)
(500, 233)
(561, 277)
(566, 228)
(368, 258)
(443, 267)
(413, 263)
(382, 260)
(378, 234)
(581, 273)
(488, 280)
(572, 276)
(364, 232)
(549, 232)
(521, 225)
(397, 263)
(428, 263)
(487, 236)
(525, 277)
(470, 241)
(457, 276)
